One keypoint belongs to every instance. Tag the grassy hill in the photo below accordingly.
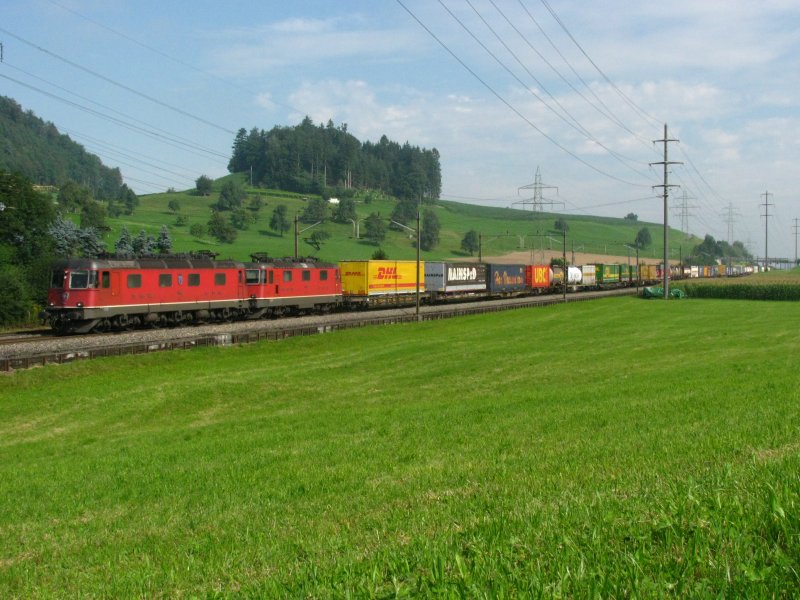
(500, 227)
(508, 455)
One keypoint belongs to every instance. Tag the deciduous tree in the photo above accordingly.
(471, 242)
(643, 238)
(204, 185)
(375, 228)
(429, 230)
(280, 220)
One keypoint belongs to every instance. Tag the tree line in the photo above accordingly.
(329, 161)
(36, 148)
(34, 231)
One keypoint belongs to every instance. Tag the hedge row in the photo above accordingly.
(743, 291)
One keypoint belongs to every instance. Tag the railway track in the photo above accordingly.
(41, 347)
(22, 336)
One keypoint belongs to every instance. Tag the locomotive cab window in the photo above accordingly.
(165, 280)
(271, 277)
(93, 281)
(134, 280)
(306, 276)
(252, 276)
(105, 280)
(219, 279)
(323, 276)
(79, 280)
(57, 279)
(194, 279)
(287, 276)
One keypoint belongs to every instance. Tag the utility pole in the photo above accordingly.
(419, 236)
(666, 185)
(538, 201)
(796, 229)
(766, 204)
(730, 216)
(298, 231)
(682, 210)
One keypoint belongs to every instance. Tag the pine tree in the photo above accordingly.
(124, 245)
(164, 243)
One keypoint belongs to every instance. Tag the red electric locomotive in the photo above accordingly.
(277, 287)
(101, 294)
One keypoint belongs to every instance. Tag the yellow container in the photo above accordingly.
(381, 277)
(648, 272)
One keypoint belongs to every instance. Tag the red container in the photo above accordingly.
(538, 276)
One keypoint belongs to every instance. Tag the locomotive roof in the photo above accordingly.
(292, 263)
(177, 262)
(146, 263)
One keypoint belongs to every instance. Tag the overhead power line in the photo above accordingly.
(558, 73)
(152, 127)
(567, 118)
(163, 54)
(117, 83)
(513, 108)
(153, 134)
(630, 102)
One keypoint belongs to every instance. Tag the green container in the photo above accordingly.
(605, 274)
(629, 273)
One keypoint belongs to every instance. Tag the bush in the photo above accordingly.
(15, 301)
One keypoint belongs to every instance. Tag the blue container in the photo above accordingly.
(505, 279)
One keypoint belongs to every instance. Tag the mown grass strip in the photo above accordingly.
(612, 448)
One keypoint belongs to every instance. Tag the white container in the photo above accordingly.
(589, 277)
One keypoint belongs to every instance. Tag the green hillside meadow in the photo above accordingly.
(614, 448)
(501, 228)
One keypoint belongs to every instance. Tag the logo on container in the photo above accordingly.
(387, 273)
(462, 273)
(540, 275)
(503, 278)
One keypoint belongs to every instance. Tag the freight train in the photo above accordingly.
(92, 295)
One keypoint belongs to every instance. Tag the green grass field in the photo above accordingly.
(615, 448)
(502, 228)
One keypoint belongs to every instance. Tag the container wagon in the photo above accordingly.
(380, 281)
(505, 279)
(444, 279)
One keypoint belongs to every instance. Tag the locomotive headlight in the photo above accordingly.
(79, 305)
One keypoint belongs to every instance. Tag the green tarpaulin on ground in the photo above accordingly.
(658, 292)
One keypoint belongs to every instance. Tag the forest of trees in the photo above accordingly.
(328, 160)
(36, 149)
(711, 250)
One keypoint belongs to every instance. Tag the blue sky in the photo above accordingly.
(577, 89)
